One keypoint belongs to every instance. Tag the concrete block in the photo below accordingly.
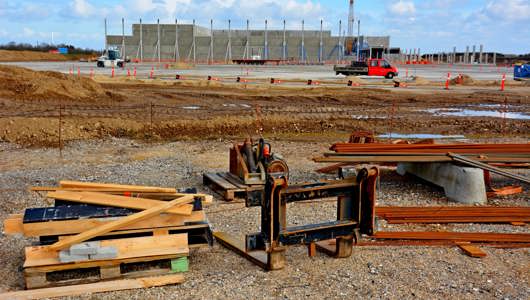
(85, 248)
(66, 257)
(461, 184)
(105, 253)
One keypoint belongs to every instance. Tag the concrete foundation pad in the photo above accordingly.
(461, 184)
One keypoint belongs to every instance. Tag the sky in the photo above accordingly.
(432, 25)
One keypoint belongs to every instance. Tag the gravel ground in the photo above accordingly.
(373, 272)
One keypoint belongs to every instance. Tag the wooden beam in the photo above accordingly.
(94, 232)
(68, 227)
(206, 198)
(148, 246)
(117, 201)
(13, 224)
(130, 188)
(471, 250)
(98, 287)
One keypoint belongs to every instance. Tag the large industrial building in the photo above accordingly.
(192, 43)
(188, 42)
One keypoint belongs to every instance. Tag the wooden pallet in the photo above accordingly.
(145, 267)
(229, 185)
(136, 258)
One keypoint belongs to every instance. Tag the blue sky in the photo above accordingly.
(432, 25)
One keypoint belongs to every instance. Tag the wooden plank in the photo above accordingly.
(126, 187)
(68, 227)
(13, 224)
(118, 201)
(91, 233)
(109, 272)
(471, 250)
(149, 230)
(206, 198)
(223, 183)
(173, 244)
(233, 179)
(99, 287)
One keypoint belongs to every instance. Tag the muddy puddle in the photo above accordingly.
(418, 136)
(465, 112)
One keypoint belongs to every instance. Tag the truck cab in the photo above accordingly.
(371, 67)
(110, 58)
(381, 67)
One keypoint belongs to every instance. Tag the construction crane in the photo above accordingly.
(351, 18)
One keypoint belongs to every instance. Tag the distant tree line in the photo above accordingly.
(44, 47)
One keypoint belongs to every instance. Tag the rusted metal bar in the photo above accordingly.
(454, 236)
(477, 164)
(370, 158)
(443, 214)
(432, 148)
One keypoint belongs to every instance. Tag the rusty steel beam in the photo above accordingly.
(477, 164)
(432, 148)
(371, 158)
(454, 236)
(444, 214)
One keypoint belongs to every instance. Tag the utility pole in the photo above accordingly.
(158, 39)
(194, 48)
(123, 38)
(266, 44)
(247, 45)
(303, 43)
(321, 45)
(141, 42)
(358, 40)
(341, 51)
(177, 54)
(106, 44)
(351, 18)
(228, 57)
(211, 41)
(284, 43)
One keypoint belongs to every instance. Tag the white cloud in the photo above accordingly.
(403, 8)
(82, 8)
(28, 32)
(142, 6)
(508, 9)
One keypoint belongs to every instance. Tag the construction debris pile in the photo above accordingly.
(99, 231)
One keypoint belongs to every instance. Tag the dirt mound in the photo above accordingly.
(7, 55)
(24, 84)
(355, 79)
(462, 79)
(419, 80)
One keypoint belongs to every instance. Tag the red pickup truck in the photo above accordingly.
(371, 67)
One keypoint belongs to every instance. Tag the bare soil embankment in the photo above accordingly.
(199, 109)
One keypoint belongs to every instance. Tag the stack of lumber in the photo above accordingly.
(110, 228)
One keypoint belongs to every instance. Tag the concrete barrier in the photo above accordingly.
(461, 184)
